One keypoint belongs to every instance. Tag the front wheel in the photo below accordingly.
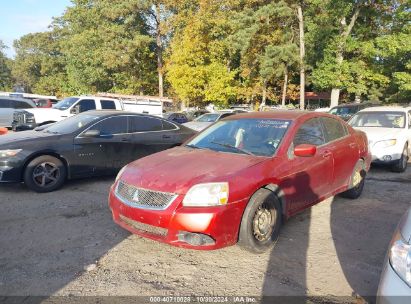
(401, 164)
(45, 174)
(261, 222)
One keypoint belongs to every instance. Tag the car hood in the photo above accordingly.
(197, 125)
(177, 169)
(376, 134)
(16, 139)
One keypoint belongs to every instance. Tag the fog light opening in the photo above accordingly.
(195, 239)
(387, 157)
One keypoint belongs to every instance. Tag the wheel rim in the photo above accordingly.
(263, 223)
(357, 179)
(46, 174)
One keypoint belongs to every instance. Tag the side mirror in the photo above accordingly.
(305, 150)
(75, 110)
(91, 133)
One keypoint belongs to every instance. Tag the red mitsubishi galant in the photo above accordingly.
(239, 179)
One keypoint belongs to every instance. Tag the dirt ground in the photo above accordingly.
(65, 243)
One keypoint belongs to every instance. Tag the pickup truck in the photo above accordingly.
(30, 118)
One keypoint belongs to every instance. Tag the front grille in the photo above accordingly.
(143, 198)
(19, 118)
(144, 227)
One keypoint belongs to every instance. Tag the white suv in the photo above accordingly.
(389, 134)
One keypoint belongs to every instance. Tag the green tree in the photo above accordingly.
(5, 72)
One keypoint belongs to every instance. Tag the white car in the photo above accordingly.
(389, 134)
(206, 120)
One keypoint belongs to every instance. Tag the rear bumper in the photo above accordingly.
(219, 223)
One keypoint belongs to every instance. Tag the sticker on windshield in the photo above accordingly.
(273, 124)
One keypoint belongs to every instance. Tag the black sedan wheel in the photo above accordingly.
(45, 174)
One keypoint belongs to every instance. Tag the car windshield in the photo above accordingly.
(208, 117)
(378, 119)
(260, 137)
(71, 124)
(343, 111)
(65, 103)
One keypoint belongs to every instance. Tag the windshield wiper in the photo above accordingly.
(233, 147)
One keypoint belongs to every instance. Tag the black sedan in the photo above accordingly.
(89, 144)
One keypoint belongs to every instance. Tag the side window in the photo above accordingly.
(409, 119)
(333, 129)
(87, 105)
(21, 105)
(108, 104)
(112, 126)
(5, 103)
(144, 124)
(310, 133)
(168, 126)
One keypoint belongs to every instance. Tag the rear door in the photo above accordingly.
(344, 149)
(148, 136)
(312, 176)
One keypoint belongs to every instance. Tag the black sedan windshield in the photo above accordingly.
(65, 103)
(260, 137)
(71, 124)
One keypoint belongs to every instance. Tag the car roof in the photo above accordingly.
(387, 109)
(101, 113)
(278, 114)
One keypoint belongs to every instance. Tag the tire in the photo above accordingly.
(45, 174)
(401, 164)
(255, 237)
(357, 182)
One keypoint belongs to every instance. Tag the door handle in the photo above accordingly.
(125, 140)
(326, 154)
(166, 136)
(353, 145)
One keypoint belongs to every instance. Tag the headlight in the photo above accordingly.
(9, 153)
(385, 143)
(204, 195)
(120, 172)
(400, 258)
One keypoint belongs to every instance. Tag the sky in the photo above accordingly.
(20, 17)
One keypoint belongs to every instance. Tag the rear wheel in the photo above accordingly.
(45, 174)
(261, 222)
(401, 164)
(357, 182)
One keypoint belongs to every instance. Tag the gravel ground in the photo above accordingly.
(65, 243)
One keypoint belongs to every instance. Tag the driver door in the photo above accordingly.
(312, 176)
(107, 152)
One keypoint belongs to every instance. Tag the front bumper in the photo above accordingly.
(392, 289)
(218, 223)
(11, 170)
(387, 155)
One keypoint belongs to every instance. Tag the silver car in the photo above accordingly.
(395, 282)
(7, 107)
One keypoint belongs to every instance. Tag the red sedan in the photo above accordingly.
(238, 180)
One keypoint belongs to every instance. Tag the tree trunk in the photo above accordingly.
(159, 45)
(346, 31)
(263, 101)
(285, 86)
(302, 56)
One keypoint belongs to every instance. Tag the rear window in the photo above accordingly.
(108, 105)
